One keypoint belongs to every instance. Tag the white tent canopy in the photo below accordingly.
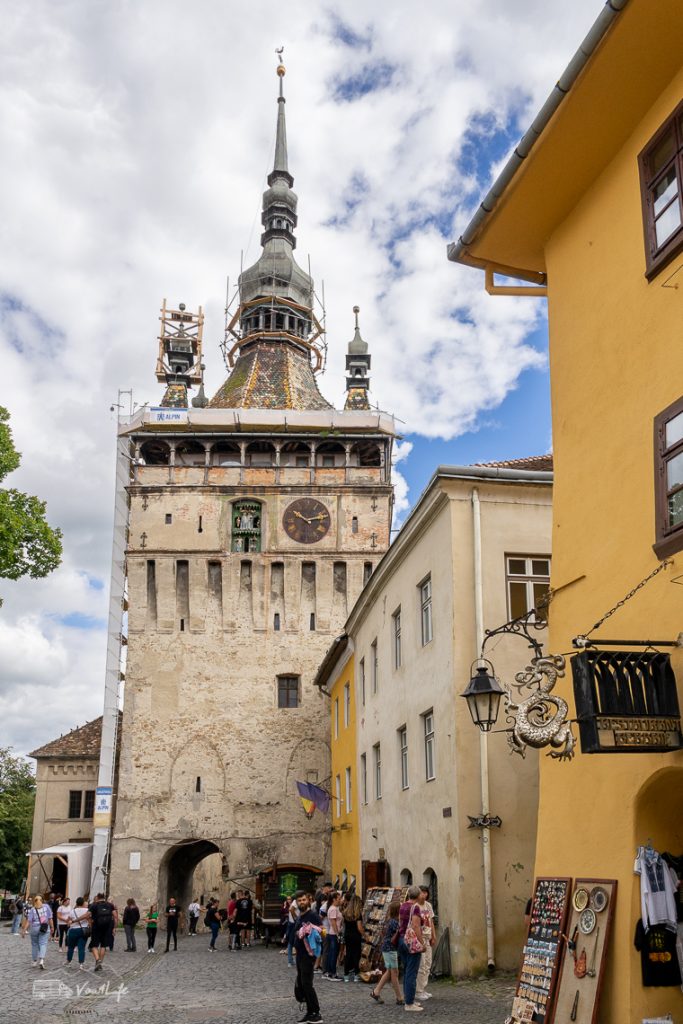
(78, 860)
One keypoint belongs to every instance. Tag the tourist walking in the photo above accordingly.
(334, 927)
(172, 915)
(390, 956)
(63, 915)
(245, 917)
(78, 933)
(193, 912)
(353, 937)
(131, 916)
(429, 937)
(39, 924)
(292, 919)
(151, 925)
(410, 946)
(213, 921)
(104, 917)
(16, 908)
(233, 941)
(308, 945)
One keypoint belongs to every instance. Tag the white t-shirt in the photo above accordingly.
(293, 911)
(63, 914)
(193, 910)
(77, 914)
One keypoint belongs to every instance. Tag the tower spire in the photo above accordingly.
(357, 369)
(280, 168)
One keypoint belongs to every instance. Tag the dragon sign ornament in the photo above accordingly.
(541, 719)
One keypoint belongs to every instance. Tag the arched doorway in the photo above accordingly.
(177, 868)
(658, 821)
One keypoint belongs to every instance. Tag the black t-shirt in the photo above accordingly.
(310, 917)
(173, 913)
(212, 916)
(244, 910)
(658, 960)
(102, 914)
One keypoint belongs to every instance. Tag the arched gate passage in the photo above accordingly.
(177, 868)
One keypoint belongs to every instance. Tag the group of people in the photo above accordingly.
(327, 928)
(89, 925)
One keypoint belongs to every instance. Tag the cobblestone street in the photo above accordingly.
(193, 985)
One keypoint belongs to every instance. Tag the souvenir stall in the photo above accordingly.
(375, 910)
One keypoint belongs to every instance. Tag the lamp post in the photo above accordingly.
(483, 696)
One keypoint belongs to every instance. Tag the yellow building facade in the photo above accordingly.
(337, 676)
(579, 214)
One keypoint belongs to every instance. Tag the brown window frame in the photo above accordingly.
(668, 539)
(657, 257)
(288, 684)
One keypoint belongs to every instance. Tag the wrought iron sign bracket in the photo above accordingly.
(519, 627)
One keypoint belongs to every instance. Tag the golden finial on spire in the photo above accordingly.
(281, 70)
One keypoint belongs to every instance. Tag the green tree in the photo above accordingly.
(29, 546)
(17, 797)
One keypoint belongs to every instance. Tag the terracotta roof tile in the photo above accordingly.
(270, 376)
(543, 463)
(83, 742)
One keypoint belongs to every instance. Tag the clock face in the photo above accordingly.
(306, 520)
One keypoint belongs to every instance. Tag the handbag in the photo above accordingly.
(412, 942)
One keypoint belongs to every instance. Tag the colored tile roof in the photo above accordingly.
(543, 463)
(270, 376)
(83, 742)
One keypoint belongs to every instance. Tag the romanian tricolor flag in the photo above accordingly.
(313, 796)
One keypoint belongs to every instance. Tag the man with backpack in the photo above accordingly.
(104, 916)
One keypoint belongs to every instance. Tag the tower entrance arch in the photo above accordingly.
(177, 870)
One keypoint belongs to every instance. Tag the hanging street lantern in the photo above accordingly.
(483, 696)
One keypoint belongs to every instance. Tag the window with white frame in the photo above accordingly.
(375, 665)
(426, 610)
(396, 630)
(361, 679)
(336, 718)
(337, 795)
(347, 790)
(430, 764)
(364, 778)
(377, 756)
(403, 747)
(347, 704)
(528, 582)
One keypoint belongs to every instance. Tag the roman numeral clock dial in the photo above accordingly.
(306, 520)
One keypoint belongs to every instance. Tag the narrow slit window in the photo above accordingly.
(312, 622)
(200, 528)
(276, 622)
(354, 524)
(169, 518)
(198, 784)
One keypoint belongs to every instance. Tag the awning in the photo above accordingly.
(78, 859)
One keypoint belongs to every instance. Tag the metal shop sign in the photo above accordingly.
(626, 702)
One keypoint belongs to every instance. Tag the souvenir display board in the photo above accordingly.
(587, 935)
(375, 909)
(539, 973)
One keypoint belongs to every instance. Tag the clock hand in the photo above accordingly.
(299, 516)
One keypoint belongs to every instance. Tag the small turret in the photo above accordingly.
(357, 369)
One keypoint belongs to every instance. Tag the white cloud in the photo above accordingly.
(135, 142)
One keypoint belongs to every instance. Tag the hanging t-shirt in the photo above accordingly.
(657, 889)
(658, 960)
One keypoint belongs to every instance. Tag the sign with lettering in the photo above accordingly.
(626, 702)
(167, 415)
(102, 813)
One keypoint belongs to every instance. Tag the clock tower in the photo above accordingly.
(255, 519)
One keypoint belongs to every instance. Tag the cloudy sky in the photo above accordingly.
(135, 139)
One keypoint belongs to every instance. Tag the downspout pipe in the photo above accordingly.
(483, 736)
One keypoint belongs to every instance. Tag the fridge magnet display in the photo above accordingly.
(538, 976)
